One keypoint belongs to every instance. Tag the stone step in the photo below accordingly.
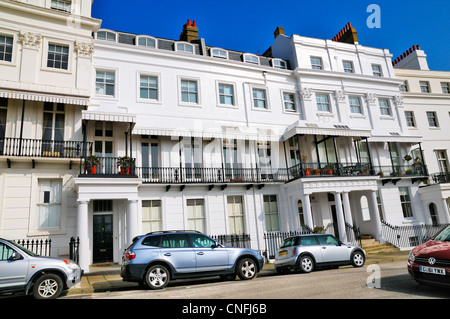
(371, 246)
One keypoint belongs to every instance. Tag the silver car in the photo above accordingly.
(23, 271)
(306, 252)
(154, 259)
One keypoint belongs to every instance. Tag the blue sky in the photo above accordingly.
(248, 25)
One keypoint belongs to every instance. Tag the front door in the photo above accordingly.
(103, 238)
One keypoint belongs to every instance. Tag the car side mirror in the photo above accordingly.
(15, 256)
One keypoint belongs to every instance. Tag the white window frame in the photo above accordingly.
(52, 41)
(314, 65)
(378, 72)
(219, 53)
(180, 92)
(61, 54)
(294, 102)
(351, 106)
(279, 64)
(445, 86)
(250, 58)
(435, 119)
(328, 103)
(219, 83)
(424, 87)
(196, 219)
(352, 67)
(266, 98)
(146, 38)
(182, 45)
(232, 216)
(42, 202)
(158, 87)
(153, 221)
(413, 119)
(61, 5)
(270, 215)
(404, 87)
(407, 202)
(116, 35)
(13, 48)
(115, 83)
(384, 108)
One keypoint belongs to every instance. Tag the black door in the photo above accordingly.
(103, 238)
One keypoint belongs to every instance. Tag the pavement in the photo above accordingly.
(106, 277)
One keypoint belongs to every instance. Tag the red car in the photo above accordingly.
(429, 263)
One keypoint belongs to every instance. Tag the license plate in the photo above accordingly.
(432, 270)
(283, 253)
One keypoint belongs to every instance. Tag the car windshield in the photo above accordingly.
(28, 252)
(444, 235)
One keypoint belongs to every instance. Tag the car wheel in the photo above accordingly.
(157, 277)
(306, 264)
(246, 269)
(358, 259)
(48, 286)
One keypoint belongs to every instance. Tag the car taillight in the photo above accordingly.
(130, 255)
(294, 251)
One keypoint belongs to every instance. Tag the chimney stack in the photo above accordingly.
(190, 32)
(278, 31)
(413, 58)
(348, 34)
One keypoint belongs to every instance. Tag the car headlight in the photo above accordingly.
(70, 264)
(411, 256)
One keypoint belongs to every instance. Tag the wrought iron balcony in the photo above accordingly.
(12, 146)
(94, 166)
(414, 170)
(440, 178)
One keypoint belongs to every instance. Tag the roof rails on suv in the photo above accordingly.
(172, 231)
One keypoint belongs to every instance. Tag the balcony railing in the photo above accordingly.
(175, 175)
(328, 169)
(440, 178)
(401, 170)
(108, 167)
(11, 146)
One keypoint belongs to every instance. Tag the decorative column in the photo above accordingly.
(340, 217)
(83, 234)
(132, 219)
(306, 203)
(445, 209)
(375, 216)
(347, 209)
(31, 46)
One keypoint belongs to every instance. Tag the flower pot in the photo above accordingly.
(125, 170)
(92, 170)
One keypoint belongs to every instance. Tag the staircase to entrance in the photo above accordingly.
(372, 246)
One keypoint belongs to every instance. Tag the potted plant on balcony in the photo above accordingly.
(91, 163)
(124, 164)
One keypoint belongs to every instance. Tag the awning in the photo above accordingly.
(251, 135)
(108, 117)
(323, 129)
(44, 97)
(394, 138)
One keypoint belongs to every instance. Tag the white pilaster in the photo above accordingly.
(83, 234)
(132, 220)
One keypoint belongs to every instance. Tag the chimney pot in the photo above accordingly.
(418, 47)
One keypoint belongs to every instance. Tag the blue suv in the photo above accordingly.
(156, 258)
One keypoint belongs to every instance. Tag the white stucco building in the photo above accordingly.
(310, 134)
(426, 96)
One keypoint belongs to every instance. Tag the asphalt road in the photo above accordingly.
(382, 281)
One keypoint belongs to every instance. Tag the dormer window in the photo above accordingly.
(146, 42)
(250, 58)
(279, 64)
(107, 36)
(219, 53)
(184, 47)
(61, 5)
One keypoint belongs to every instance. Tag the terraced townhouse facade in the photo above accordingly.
(107, 135)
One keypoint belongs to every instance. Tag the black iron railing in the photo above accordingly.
(273, 240)
(409, 236)
(108, 167)
(401, 170)
(440, 178)
(11, 146)
(241, 241)
(174, 175)
(74, 253)
(41, 247)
